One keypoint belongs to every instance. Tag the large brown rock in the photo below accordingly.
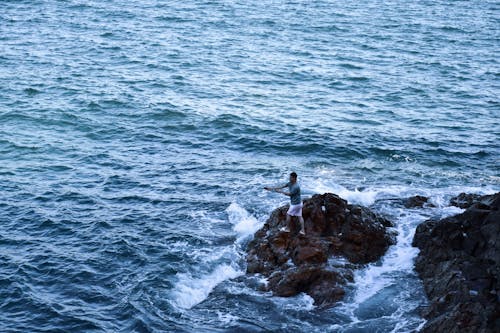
(294, 263)
(459, 263)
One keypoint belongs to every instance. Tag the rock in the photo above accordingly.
(459, 263)
(464, 200)
(294, 263)
(320, 283)
(417, 201)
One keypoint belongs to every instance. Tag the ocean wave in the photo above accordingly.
(190, 290)
(136, 138)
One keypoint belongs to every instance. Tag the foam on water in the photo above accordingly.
(398, 259)
(397, 264)
(190, 290)
(301, 302)
(366, 197)
(226, 318)
(244, 224)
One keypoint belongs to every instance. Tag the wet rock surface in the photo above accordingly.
(339, 238)
(459, 263)
(417, 201)
(465, 200)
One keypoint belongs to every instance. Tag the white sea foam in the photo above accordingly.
(192, 288)
(398, 262)
(226, 318)
(302, 302)
(244, 224)
(190, 291)
(366, 197)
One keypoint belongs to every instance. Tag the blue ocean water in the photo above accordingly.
(136, 137)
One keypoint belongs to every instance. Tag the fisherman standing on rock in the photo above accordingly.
(295, 202)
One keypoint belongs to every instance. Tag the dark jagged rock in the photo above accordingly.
(465, 200)
(294, 263)
(417, 201)
(459, 263)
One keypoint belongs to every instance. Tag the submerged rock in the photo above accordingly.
(459, 263)
(417, 201)
(294, 263)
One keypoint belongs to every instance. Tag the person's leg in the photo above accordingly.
(302, 228)
(287, 226)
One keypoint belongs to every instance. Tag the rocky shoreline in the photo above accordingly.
(459, 264)
(339, 238)
(459, 259)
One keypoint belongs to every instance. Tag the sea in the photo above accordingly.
(136, 138)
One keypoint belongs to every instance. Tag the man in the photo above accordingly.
(295, 201)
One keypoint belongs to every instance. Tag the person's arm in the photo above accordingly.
(279, 190)
(276, 189)
(285, 193)
(294, 191)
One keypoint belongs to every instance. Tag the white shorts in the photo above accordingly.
(295, 210)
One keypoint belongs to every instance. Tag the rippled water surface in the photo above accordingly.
(136, 136)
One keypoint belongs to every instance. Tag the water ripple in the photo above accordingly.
(127, 129)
